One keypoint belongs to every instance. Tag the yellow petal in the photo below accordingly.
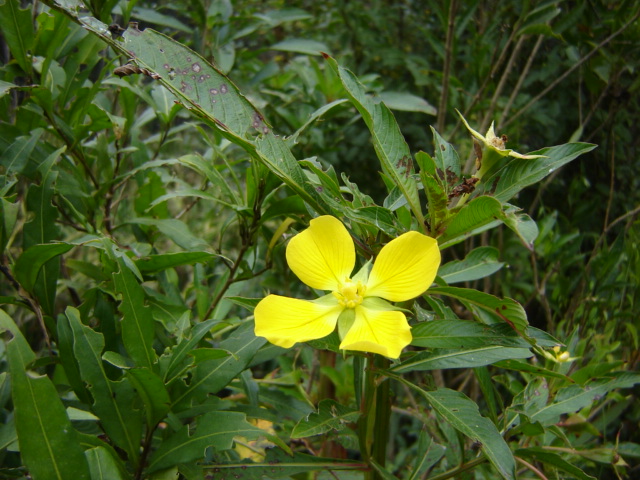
(323, 255)
(285, 321)
(405, 267)
(378, 331)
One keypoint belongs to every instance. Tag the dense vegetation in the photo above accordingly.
(147, 199)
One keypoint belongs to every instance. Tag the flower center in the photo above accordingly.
(350, 294)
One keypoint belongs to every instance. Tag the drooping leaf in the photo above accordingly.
(330, 416)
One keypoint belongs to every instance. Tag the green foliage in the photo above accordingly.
(146, 200)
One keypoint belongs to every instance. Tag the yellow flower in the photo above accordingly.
(323, 256)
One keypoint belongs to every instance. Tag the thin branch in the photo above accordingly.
(555, 83)
(523, 75)
(532, 468)
(448, 53)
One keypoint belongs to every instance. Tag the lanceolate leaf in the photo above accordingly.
(28, 265)
(479, 263)
(113, 401)
(478, 215)
(506, 309)
(153, 393)
(48, 443)
(137, 322)
(330, 416)
(17, 30)
(462, 413)
(391, 147)
(463, 334)
(522, 172)
(574, 397)
(215, 429)
(278, 464)
(211, 376)
(475, 357)
(102, 464)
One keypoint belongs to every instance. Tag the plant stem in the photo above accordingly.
(373, 426)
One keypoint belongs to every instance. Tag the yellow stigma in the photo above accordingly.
(350, 294)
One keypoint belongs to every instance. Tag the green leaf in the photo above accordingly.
(533, 369)
(102, 464)
(137, 322)
(14, 159)
(495, 309)
(539, 454)
(475, 357)
(8, 217)
(575, 397)
(301, 45)
(447, 161)
(427, 455)
(172, 364)
(479, 263)
(211, 376)
(176, 230)
(462, 334)
(158, 263)
(48, 443)
(5, 87)
(153, 393)
(330, 416)
(523, 226)
(17, 29)
(214, 429)
(462, 413)
(112, 401)
(43, 229)
(407, 102)
(480, 214)
(29, 264)
(278, 464)
(522, 172)
(391, 147)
